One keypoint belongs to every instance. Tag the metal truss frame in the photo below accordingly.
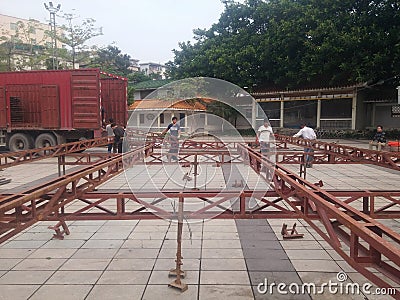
(336, 152)
(20, 211)
(15, 158)
(372, 248)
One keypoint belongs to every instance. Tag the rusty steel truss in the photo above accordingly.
(15, 158)
(347, 220)
(334, 153)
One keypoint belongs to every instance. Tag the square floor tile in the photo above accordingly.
(15, 253)
(142, 244)
(8, 263)
(87, 264)
(227, 264)
(116, 292)
(25, 277)
(228, 244)
(63, 244)
(224, 277)
(52, 253)
(74, 277)
(137, 253)
(315, 265)
(222, 253)
(62, 292)
(124, 277)
(110, 236)
(40, 264)
(103, 244)
(231, 292)
(131, 264)
(17, 292)
(23, 244)
(95, 253)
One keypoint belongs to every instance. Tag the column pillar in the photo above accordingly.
(282, 113)
(373, 114)
(253, 113)
(354, 112)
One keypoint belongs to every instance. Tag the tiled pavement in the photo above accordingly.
(131, 259)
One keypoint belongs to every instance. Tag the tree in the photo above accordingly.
(295, 43)
(110, 59)
(76, 36)
(21, 49)
(136, 77)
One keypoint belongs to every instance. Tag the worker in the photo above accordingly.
(110, 134)
(308, 134)
(174, 130)
(379, 139)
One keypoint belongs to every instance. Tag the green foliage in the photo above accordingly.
(131, 96)
(20, 49)
(295, 43)
(110, 59)
(137, 77)
(76, 36)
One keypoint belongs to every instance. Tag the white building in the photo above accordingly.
(153, 68)
(22, 41)
(155, 115)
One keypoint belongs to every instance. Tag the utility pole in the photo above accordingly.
(53, 10)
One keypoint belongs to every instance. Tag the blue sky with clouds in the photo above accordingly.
(147, 30)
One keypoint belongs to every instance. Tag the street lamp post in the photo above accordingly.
(53, 10)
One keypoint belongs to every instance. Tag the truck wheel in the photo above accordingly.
(20, 142)
(45, 140)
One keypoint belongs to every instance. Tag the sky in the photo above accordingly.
(147, 30)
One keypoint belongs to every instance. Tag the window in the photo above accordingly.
(162, 121)
(13, 26)
(337, 108)
(33, 41)
(32, 30)
(182, 119)
(141, 119)
(297, 112)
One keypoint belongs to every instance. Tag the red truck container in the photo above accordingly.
(42, 108)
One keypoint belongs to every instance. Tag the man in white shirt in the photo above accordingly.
(307, 133)
(110, 134)
(263, 135)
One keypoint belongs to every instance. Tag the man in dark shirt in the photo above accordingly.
(118, 135)
(174, 130)
(379, 139)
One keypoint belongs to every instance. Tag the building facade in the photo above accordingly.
(352, 107)
(153, 69)
(22, 43)
(155, 115)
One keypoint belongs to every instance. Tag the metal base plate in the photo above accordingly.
(181, 286)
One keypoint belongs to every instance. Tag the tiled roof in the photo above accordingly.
(167, 104)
